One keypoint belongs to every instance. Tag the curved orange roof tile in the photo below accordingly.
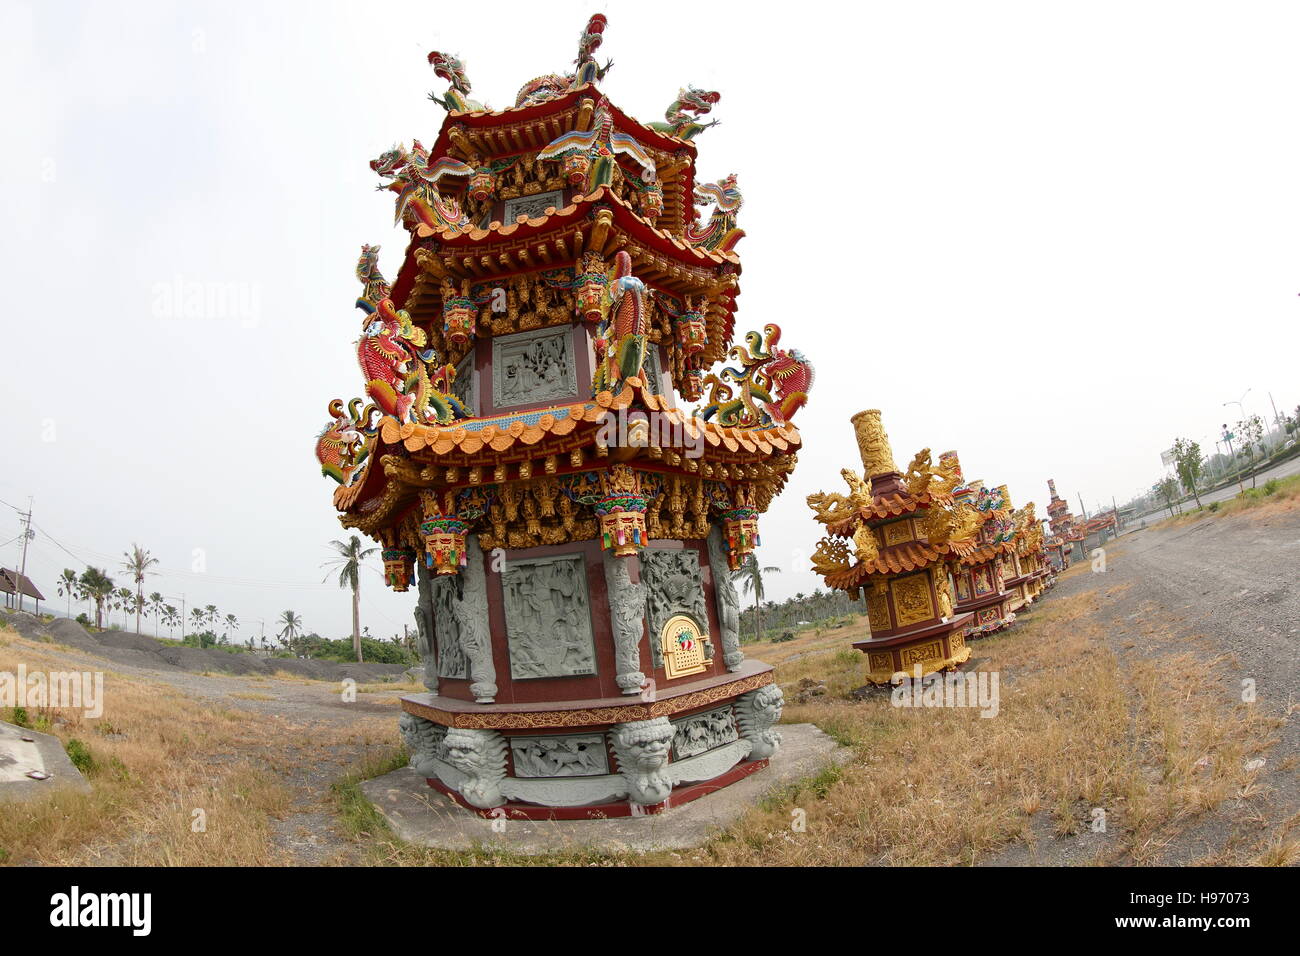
(501, 432)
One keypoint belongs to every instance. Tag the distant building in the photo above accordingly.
(12, 581)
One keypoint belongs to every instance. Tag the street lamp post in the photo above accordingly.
(1228, 435)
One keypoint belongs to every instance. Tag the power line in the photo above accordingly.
(202, 575)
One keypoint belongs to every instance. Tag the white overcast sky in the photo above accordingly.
(1053, 236)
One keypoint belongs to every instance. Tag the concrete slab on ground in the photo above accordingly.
(419, 814)
(23, 751)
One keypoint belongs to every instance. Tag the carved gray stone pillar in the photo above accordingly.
(627, 622)
(424, 640)
(727, 600)
(481, 756)
(642, 748)
(471, 616)
(757, 713)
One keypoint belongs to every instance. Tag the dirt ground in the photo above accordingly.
(1181, 616)
(1228, 591)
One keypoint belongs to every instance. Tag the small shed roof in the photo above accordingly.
(10, 581)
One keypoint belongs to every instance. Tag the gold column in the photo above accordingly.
(873, 444)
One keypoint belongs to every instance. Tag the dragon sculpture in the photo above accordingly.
(396, 366)
(590, 157)
(415, 180)
(721, 234)
(452, 70)
(554, 85)
(764, 368)
(920, 474)
(681, 119)
(340, 446)
(620, 340)
(832, 508)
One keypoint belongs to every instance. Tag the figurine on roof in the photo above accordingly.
(541, 89)
(452, 70)
(415, 180)
(764, 369)
(589, 156)
(681, 119)
(721, 233)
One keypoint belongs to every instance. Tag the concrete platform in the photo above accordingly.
(41, 752)
(419, 814)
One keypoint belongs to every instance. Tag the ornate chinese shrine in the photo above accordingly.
(891, 541)
(526, 463)
(1010, 564)
(1030, 551)
(978, 576)
(1064, 533)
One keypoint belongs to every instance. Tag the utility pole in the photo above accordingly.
(1277, 420)
(1083, 507)
(28, 534)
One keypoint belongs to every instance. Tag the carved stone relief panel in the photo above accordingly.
(560, 755)
(548, 618)
(653, 369)
(466, 378)
(702, 732)
(533, 367)
(674, 585)
(531, 206)
(452, 660)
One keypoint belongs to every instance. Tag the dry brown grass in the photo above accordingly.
(1077, 730)
(159, 756)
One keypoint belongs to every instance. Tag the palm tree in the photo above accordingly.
(751, 576)
(196, 619)
(137, 564)
(97, 587)
(210, 614)
(348, 562)
(171, 618)
(232, 623)
(126, 598)
(68, 586)
(155, 607)
(292, 628)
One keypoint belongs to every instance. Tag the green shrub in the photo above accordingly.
(19, 717)
(1271, 486)
(80, 755)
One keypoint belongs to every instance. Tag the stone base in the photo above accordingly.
(418, 814)
(604, 811)
(39, 752)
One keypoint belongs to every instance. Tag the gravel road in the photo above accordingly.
(1223, 586)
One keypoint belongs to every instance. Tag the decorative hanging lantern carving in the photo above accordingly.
(444, 538)
(592, 283)
(482, 184)
(399, 567)
(459, 312)
(692, 330)
(621, 509)
(740, 528)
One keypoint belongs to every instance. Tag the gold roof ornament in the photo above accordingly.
(873, 444)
